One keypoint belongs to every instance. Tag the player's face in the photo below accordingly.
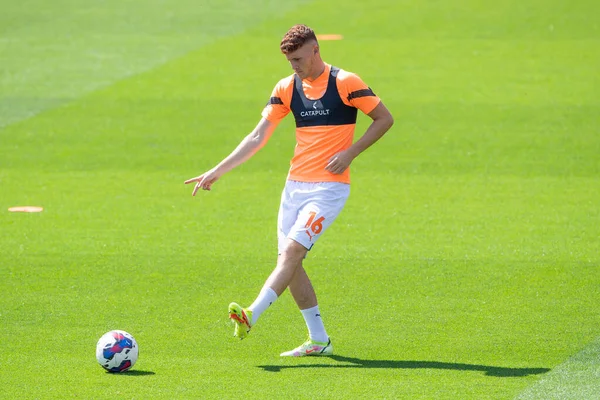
(303, 60)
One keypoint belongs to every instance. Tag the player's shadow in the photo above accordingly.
(393, 364)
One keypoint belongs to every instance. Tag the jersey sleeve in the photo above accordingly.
(278, 105)
(354, 92)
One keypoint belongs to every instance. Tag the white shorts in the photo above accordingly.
(307, 209)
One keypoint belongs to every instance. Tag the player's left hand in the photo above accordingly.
(339, 162)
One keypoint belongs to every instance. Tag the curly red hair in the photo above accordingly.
(296, 37)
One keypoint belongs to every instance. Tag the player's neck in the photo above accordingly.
(317, 72)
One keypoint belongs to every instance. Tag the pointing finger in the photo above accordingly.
(196, 179)
(196, 189)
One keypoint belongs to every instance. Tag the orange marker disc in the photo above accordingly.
(28, 209)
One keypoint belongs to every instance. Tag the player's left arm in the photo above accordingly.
(382, 122)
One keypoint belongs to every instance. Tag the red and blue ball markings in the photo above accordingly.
(121, 344)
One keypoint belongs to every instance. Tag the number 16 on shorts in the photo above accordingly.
(314, 225)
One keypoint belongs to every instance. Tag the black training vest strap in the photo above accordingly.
(328, 110)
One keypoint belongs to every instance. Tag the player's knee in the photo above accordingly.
(294, 251)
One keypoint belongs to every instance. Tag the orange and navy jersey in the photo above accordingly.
(325, 112)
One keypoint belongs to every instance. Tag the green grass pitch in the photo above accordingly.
(465, 265)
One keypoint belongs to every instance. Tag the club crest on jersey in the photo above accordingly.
(316, 111)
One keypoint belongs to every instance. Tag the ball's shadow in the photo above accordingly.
(134, 372)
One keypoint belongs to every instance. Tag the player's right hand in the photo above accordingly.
(204, 181)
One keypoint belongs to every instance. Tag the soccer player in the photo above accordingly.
(324, 101)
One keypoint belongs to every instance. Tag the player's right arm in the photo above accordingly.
(246, 149)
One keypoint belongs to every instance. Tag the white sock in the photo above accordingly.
(316, 329)
(265, 298)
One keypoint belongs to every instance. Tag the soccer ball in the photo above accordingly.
(116, 351)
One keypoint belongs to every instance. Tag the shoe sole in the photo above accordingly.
(236, 314)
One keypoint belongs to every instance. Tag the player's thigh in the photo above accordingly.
(288, 213)
(318, 213)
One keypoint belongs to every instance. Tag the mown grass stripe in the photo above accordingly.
(52, 55)
(578, 378)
